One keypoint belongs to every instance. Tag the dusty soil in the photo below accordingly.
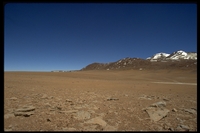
(100, 100)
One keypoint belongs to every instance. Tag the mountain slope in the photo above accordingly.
(177, 60)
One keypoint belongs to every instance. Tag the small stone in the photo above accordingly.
(13, 98)
(159, 104)
(47, 105)
(182, 128)
(109, 99)
(49, 120)
(44, 96)
(68, 100)
(51, 97)
(10, 126)
(165, 99)
(25, 109)
(26, 114)
(59, 108)
(174, 110)
(171, 129)
(69, 111)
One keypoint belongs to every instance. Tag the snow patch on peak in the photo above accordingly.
(179, 55)
(180, 52)
(148, 58)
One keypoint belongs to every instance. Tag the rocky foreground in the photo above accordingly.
(69, 102)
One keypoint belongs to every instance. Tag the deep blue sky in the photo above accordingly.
(66, 36)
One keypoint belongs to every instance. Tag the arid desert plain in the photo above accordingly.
(101, 100)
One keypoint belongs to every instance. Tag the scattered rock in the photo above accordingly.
(157, 114)
(183, 128)
(97, 120)
(191, 111)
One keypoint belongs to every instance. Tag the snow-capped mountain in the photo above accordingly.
(174, 56)
(159, 56)
(177, 60)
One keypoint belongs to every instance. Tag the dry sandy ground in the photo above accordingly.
(100, 101)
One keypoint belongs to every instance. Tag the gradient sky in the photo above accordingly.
(69, 36)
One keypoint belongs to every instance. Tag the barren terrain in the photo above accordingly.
(101, 100)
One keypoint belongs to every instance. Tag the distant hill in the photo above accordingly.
(175, 60)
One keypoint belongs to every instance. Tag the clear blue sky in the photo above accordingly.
(69, 36)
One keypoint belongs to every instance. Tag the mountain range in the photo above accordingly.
(178, 55)
(176, 60)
